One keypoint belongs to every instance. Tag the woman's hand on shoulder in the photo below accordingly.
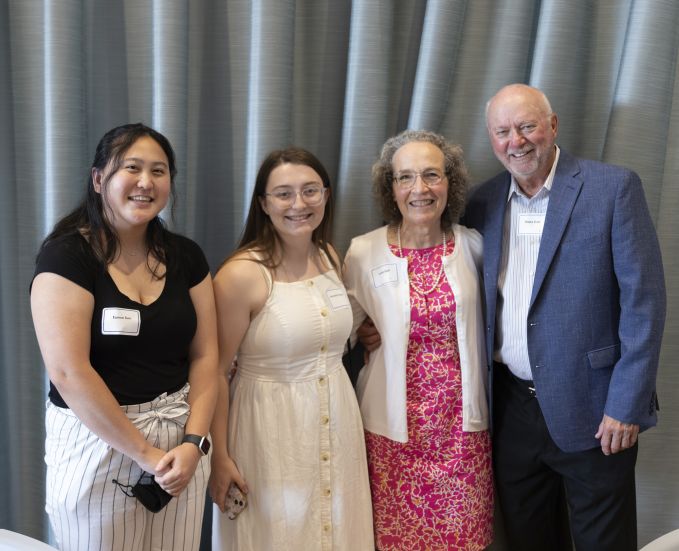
(224, 472)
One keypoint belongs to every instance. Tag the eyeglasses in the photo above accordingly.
(406, 179)
(285, 198)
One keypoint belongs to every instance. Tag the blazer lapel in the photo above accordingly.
(492, 242)
(565, 190)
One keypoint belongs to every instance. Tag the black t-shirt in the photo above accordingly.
(139, 351)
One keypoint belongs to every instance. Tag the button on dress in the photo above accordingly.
(295, 428)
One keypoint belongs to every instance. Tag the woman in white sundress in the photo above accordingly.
(295, 442)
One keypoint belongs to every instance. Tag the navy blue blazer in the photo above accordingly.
(597, 310)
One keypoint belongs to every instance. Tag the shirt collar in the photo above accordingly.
(515, 189)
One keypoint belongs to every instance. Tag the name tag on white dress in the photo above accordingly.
(531, 224)
(337, 298)
(120, 321)
(385, 274)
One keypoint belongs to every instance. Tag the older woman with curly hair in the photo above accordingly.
(423, 391)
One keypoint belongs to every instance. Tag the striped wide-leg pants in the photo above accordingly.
(89, 512)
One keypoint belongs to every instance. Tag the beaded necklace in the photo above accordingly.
(412, 281)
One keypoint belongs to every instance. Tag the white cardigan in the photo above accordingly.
(378, 286)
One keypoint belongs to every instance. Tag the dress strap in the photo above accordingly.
(257, 259)
(324, 255)
(328, 263)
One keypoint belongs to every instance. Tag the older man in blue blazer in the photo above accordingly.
(575, 305)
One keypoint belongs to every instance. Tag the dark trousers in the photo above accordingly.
(535, 480)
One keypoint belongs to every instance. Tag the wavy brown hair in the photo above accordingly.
(454, 166)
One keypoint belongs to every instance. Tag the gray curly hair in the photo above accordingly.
(455, 169)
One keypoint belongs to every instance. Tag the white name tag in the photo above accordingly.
(531, 224)
(385, 274)
(120, 321)
(338, 298)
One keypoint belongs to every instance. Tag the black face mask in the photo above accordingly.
(147, 491)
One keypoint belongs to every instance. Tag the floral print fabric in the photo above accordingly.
(435, 491)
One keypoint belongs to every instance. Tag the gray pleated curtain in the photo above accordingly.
(227, 81)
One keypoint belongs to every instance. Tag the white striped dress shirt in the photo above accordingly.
(517, 271)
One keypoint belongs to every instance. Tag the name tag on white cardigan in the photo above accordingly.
(384, 275)
(120, 321)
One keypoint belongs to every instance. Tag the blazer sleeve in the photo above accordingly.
(638, 269)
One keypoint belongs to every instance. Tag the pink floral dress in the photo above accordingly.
(434, 492)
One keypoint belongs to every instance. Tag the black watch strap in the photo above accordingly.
(201, 441)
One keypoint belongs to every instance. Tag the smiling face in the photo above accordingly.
(295, 219)
(422, 204)
(522, 132)
(137, 191)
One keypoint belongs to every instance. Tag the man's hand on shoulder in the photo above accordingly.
(616, 436)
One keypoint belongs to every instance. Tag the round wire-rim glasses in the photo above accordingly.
(407, 178)
(311, 196)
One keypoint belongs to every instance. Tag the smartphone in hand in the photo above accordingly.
(236, 501)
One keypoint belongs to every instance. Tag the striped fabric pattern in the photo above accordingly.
(517, 272)
(88, 512)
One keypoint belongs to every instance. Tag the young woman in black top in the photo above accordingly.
(124, 315)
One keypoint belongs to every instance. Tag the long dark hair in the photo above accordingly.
(90, 217)
(259, 233)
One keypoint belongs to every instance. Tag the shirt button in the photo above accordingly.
(326, 528)
(324, 420)
(324, 312)
(325, 456)
(310, 283)
(321, 381)
(323, 348)
(327, 492)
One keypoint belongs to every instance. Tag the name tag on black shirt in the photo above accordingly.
(120, 321)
